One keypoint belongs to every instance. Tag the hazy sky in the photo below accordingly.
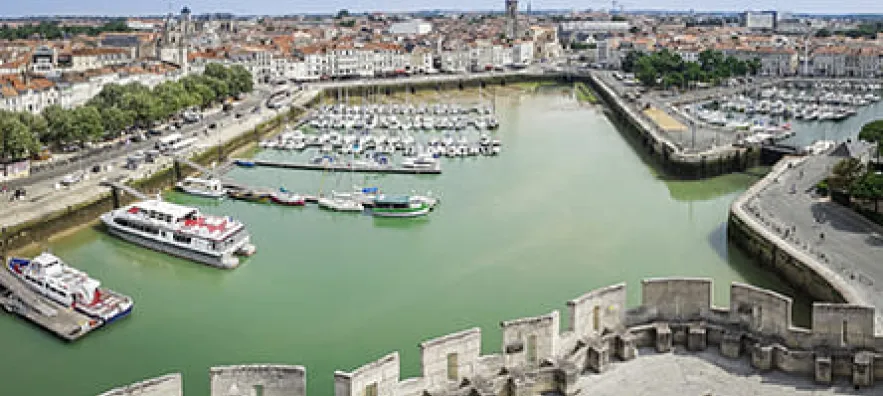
(14, 8)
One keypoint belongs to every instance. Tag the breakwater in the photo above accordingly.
(673, 158)
(536, 357)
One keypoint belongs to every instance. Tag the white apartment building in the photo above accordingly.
(96, 58)
(410, 28)
(353, 59)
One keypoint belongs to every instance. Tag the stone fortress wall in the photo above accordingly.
(537, 357)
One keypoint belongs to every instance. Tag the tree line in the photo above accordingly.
(859, 181)
(118, 108)
(54, 30)
(667, 69)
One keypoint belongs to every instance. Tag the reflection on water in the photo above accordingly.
(567, 207)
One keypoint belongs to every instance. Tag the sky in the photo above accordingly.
(18, 8)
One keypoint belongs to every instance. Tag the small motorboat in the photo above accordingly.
(287, 198)
(245, 163)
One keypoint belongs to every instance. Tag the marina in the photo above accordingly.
(781, 112)
(303, 295)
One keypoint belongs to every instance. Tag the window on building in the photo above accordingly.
(596, 318)
(843, 333)
(371, 389)
(532, 349)
(452, 367)
(258, 390)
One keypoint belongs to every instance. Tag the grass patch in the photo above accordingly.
(584, 93)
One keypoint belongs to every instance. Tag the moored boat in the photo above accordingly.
(181, 231)
(49, 276)
(211, 188)
(400, 206)
(287, 198)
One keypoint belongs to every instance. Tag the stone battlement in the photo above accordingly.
(536, 356)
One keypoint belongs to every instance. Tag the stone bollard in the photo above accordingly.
(863, 369)
(731, 345)
(625, 346)
(598, 357)
(762, 357)
(696, 337)
(823, 370)
(663, 337)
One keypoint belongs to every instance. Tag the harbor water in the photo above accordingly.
(568, 206)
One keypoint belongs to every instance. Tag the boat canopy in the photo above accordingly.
(369, 190)
(393, 200)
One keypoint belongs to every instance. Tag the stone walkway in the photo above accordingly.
(834, 236)
(702, 374)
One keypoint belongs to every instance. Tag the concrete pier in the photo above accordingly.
(345, 168)
(65, 323)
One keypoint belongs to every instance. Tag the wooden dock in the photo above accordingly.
(344, 167)
(65, 323)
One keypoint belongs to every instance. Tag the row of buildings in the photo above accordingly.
(36, 73)
(779, 54)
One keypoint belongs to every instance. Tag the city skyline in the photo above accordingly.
(276, 7)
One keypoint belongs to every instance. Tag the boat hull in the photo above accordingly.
(402, 213)
(225, 261)
(286, 202)
(202, 193)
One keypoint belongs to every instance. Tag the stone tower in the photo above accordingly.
(512, 18)
(174, 43)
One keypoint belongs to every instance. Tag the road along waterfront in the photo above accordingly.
(569, 206)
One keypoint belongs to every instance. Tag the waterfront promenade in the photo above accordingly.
(835, 242)
(44, 198)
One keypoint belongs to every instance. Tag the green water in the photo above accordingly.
(568, 207)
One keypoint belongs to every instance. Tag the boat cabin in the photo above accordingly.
(392, 202)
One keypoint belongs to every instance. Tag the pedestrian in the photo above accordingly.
(821, 236)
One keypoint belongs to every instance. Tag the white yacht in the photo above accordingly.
(211, 188)
(48, 275)
(181, 231)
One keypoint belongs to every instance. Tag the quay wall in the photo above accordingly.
(537, 357)
(673, 159)
(27, 234)
(795, 267)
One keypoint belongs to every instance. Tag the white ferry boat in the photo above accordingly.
(70, 287)
(181, 231)
(211, 188)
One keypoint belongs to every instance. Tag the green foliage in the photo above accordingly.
(342, 14)
(846, 173)
(578, 46)
(618, 18)
(823, 33)
(873, 132)
(868, 187)
(53, 30)
(118, 107)
(347, 23)
(667, 69)
(585, 94)
(17, 141)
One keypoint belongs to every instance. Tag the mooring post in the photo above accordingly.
(115, 194)
(5, 242)
(176, 170)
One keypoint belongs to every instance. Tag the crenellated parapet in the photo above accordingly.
(536, 356)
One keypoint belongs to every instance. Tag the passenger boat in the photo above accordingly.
(400, 206)
(49, 276)
(211, 188)
(181, 231)
(287, 198)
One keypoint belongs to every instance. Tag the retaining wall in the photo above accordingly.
(536, 357)
(671, 157)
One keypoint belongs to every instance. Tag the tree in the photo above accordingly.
(17, 140)
(59, 125)
(113, 119)
(845, 173)
(823, 33)
(869, 187)
(634, 30)
(342, 14)
(87, 124)
(873, 132)
(631, 58)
